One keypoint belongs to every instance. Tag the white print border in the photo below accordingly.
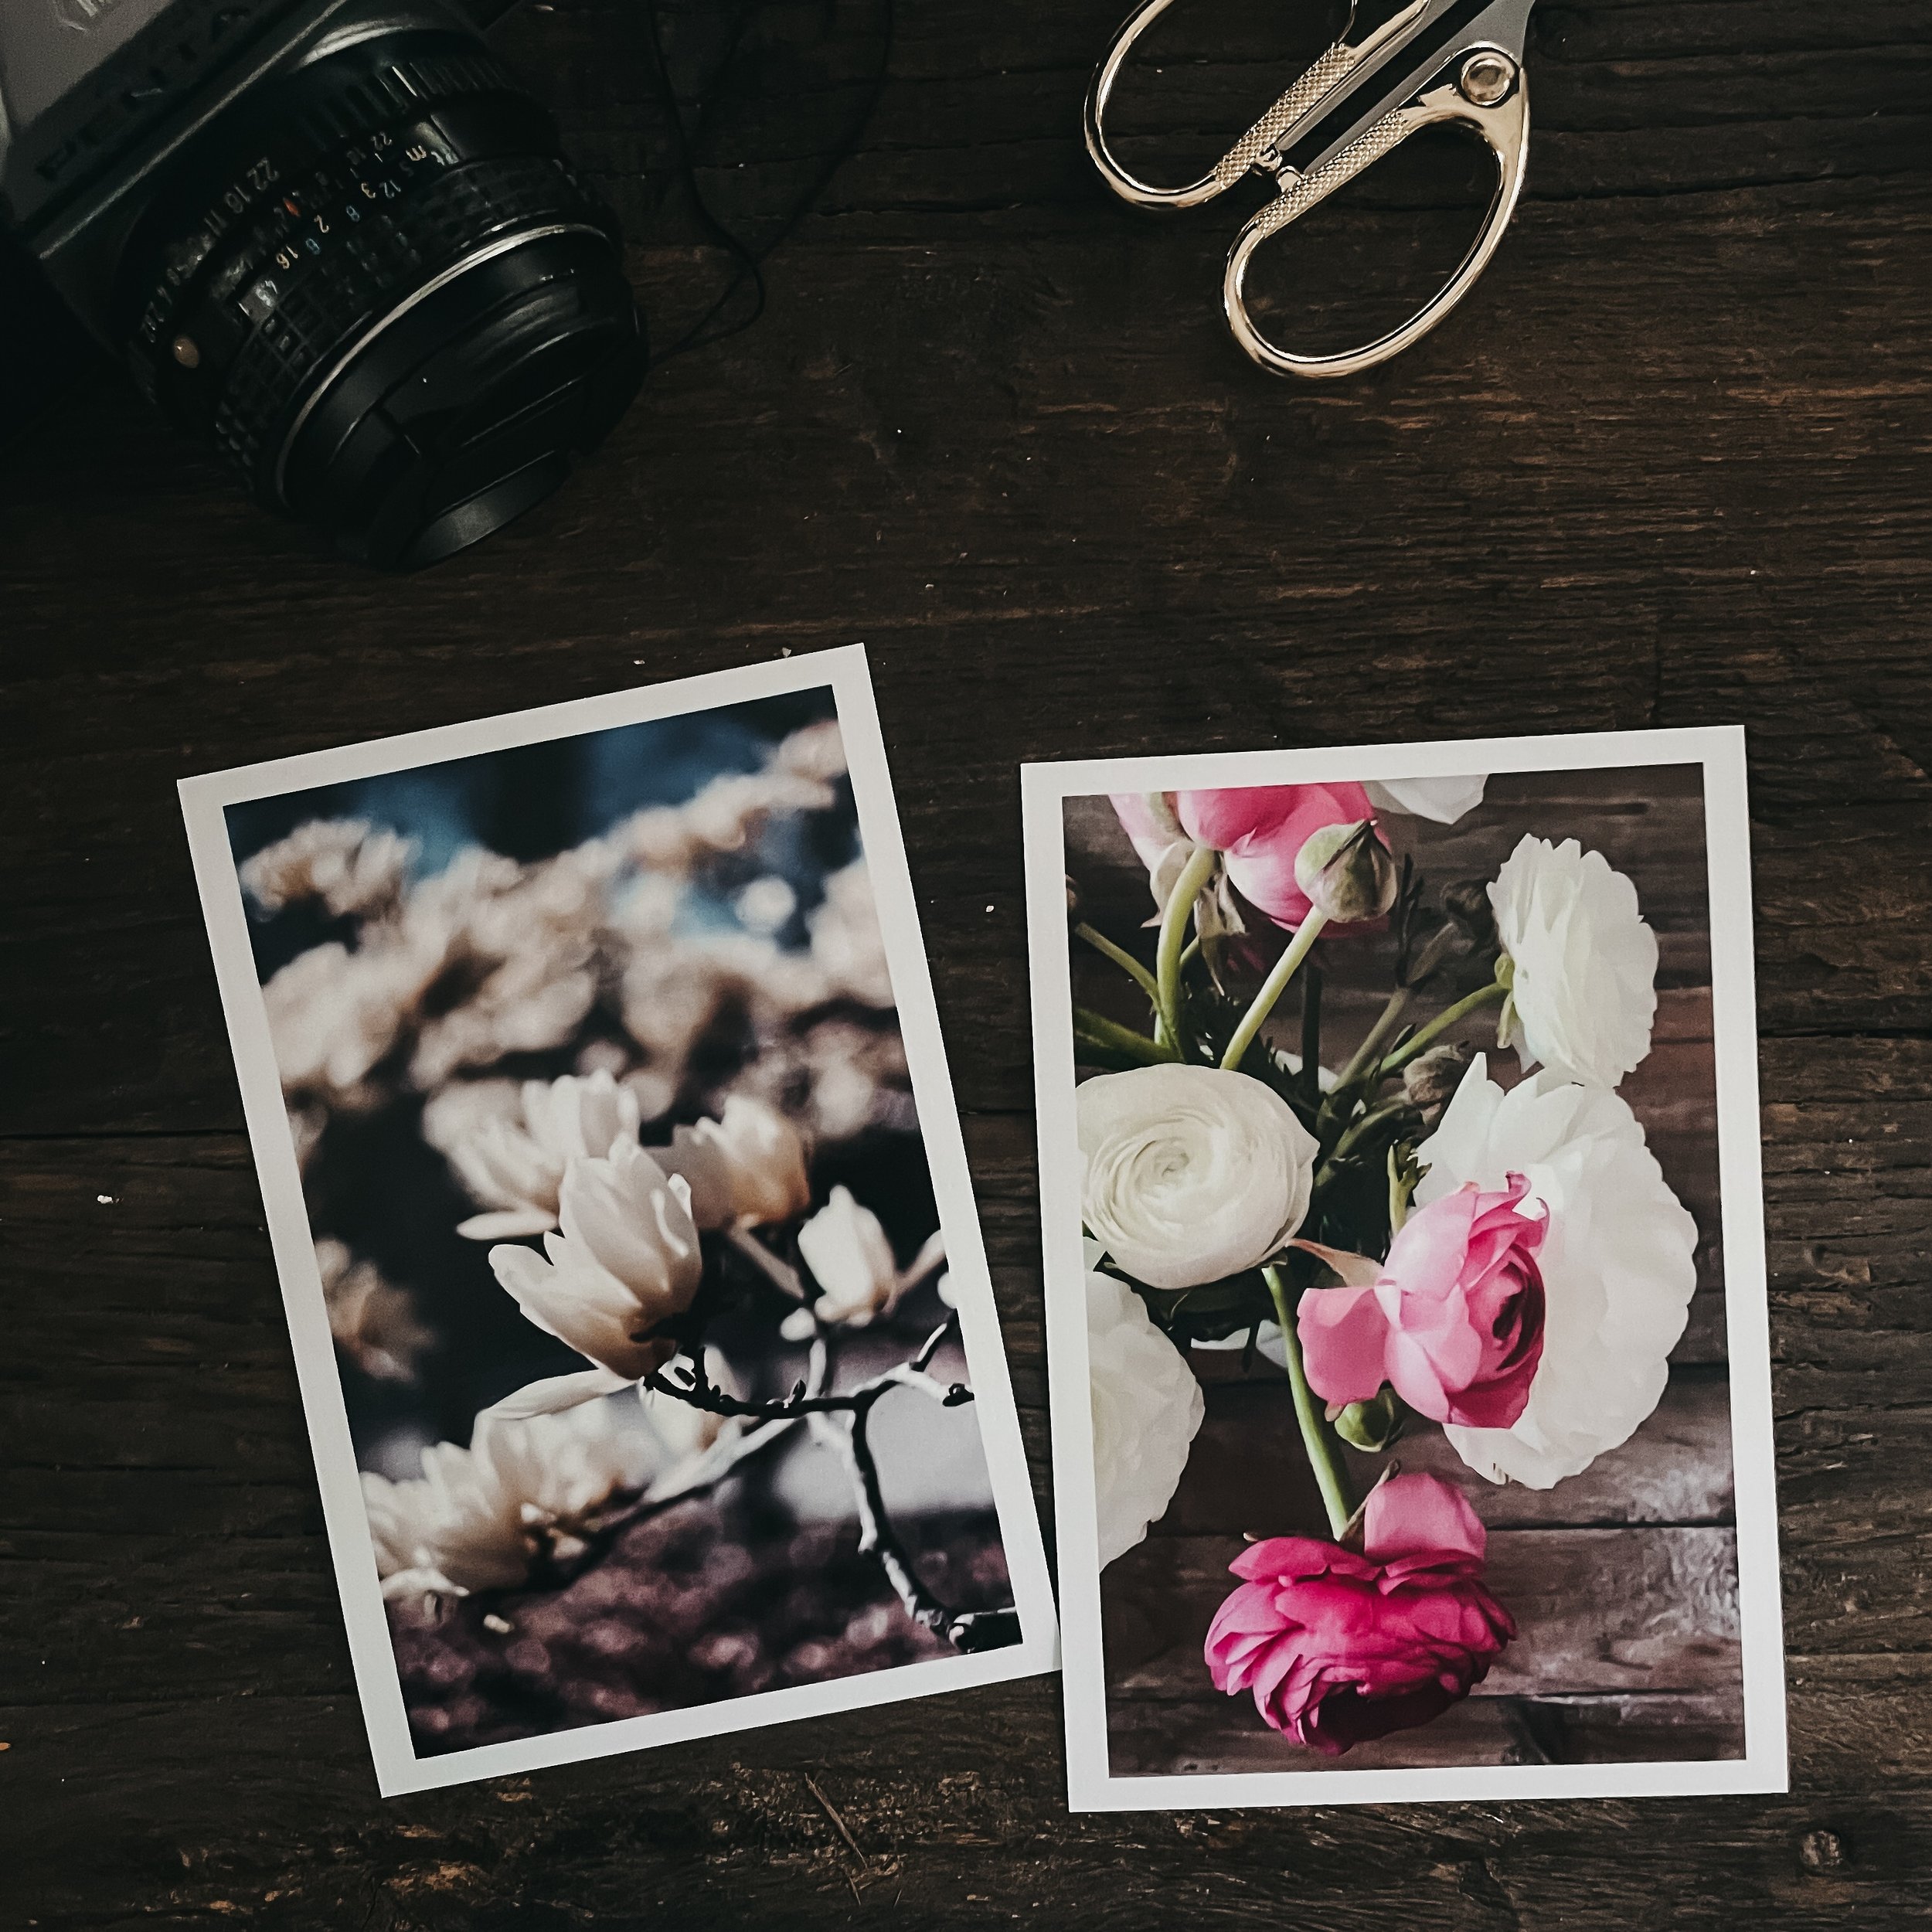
(204, 801)
(1720, 750)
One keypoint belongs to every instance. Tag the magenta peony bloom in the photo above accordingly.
(1339, 1647)
(1260, 829)
(1454, 1322)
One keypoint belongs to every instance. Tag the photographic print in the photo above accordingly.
(1406, 1301)
(591, 1065)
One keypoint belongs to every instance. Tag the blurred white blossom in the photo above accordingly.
(816, 751)
(746, 1169)
(846, 942)
(626, 1260)
(352, 868)
(514, 1167)
(765, 904)
(372, 1320)
(724, 817)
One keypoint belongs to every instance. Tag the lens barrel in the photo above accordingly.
(377, 287)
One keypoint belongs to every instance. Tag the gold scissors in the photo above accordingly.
(1400, 66)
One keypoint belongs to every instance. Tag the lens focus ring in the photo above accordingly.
(332, 205)
(418, 238)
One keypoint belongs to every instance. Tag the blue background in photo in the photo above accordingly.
(534, 801)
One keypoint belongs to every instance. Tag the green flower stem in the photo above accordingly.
(1315, 1438)
(1195, 874)
(1420, 1041)
(1366, 1054)
(1097, 1030)
(1357, 1133)
(1401, 1193)
(1125, 960)
(1272, 988)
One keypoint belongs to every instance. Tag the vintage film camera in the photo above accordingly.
(334, 239)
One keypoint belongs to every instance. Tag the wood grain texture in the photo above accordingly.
(1669, 465)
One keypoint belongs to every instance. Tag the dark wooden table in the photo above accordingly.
(1669, 465)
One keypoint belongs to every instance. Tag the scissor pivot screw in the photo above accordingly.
(1486, 78)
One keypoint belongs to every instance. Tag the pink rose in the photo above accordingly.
(1339, 1647)
(1259, 830)
(1453, 1322)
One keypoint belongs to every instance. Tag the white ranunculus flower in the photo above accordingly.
(1146, 1409)
(1191, 1173)
(1444, 800)
(476, 1518)
(746, 1169)
(513, 1168)
(626, 1260)
(1617, 1262)
(1584, 962)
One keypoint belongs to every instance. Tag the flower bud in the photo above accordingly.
(1346, 872)
(1431, 1081)
(1466, 902)
(1373, 1425)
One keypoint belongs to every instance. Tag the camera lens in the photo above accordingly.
(376, 286)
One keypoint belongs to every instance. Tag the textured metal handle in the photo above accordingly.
(1504, 129)
(1330, 68)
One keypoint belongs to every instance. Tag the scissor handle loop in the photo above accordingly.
(1238, 159)
(1504, 129)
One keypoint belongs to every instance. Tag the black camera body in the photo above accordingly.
(332, 238)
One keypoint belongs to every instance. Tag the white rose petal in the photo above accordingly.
(1444, 800)
(1585, 963)
(1191, 1174)
(1617, 1267)
(1147, 1408)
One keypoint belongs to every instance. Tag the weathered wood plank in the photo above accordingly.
(1147, 1738)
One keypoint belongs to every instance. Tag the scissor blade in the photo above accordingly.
(1394, 73)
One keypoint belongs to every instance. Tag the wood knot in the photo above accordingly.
(1821, 1851)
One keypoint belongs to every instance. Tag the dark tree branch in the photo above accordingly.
(842, 1421)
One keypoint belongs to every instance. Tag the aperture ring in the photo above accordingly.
(418, 239)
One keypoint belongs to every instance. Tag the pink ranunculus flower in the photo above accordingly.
(1338, 1647)
(1259, 830)
(1454, 1321)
